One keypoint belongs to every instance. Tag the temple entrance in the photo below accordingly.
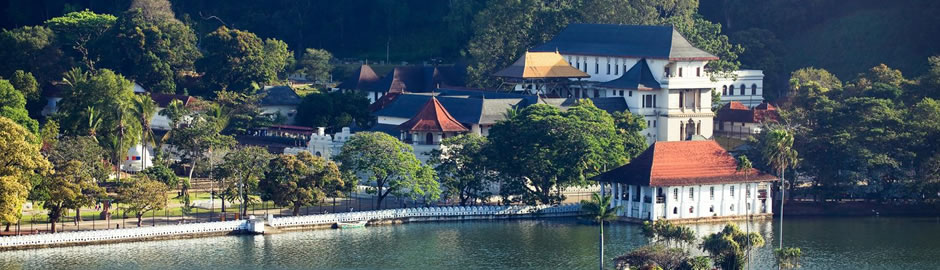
(690, 129)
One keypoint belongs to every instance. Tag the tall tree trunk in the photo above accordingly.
(185, 189)
(223, 203)
(53, 222)
(296, 209)
(78, 215)
(140, 219)
(8, 227)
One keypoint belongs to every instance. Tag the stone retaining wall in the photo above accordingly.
(429, 214)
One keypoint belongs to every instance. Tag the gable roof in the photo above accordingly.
(633, 41)
(682, 163)
(279, 95)
(164, 100)
(734, 111)
(541, 65)
(639, 77)
(360, 79)
(433, 117)
(418, 79)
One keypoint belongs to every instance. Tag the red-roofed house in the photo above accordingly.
(431, 125)
(735, 118)
(687, 180)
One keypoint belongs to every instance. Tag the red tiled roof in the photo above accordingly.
(433, 117)
(736, 112)
(682, 163)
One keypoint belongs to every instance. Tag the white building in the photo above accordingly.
(687, 181)
(660, 74)
(280, 100)
(744, 86)
(737, 120)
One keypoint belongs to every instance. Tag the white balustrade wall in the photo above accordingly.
(428, 212)
(125, 234)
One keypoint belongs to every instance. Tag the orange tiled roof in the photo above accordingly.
(433, 117)
(541, 65)
(682, 163)
(736, 112)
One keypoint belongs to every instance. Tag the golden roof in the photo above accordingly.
(534, 65)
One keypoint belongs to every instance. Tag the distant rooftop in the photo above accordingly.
(534, 65)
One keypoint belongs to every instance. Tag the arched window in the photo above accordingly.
(698, 72)
(711, 209)
(691, 209)
(724, 90)
(743, 87)
(754, 89)
(675, 210)
(429, 138)
(732, 207)
(731, 90)
(318, 154)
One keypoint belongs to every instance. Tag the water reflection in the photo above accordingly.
(831, 243)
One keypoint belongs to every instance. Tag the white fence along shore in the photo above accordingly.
(256, 226)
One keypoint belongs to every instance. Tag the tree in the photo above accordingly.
(154, 10)
(727, 246)
(315, 64)
(13, 106)
(765, 52)
(62, 187)
(389, 164)
(99, 104)
(598, 209)
(79, 29)
(656, 255)
(527, 148)
(141, 196)
(32, 49)
(150, 49)
(461, 167)
(25, 83)
(777, 149)
(163, 174)
(239, 61)
(664, 232)
(788, 258)
(629, 125)
(22, 162)
(804, 76)
(193, 141)
(302, 179)
(144, 108)
(244, 168)
(334, 110)
(238, 113)
(744, 165)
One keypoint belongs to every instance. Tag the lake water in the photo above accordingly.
(828, 243)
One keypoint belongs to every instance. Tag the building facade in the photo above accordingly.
(690, 180)
(744, 86)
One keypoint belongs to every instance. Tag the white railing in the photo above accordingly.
(124, 234)
(449, 211)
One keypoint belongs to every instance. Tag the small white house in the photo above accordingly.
(280, 100)
(687, 181)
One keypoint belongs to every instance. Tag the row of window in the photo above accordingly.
(711, 192)
(616, 67)
(711, 209)
(727, 90)
(698, 72)
(649, 101)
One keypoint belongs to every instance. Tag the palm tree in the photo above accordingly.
(744, 165)
(175, 111)
(779, 153)
(144, 108)
(94, 121)
(599, 210)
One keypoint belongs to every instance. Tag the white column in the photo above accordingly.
(642, 202)
(630, 201)
(665, 202)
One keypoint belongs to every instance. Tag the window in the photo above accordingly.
(680, 72)
(754, 89)
(748, 205)
(597, 93)
(648, 101)
(711, 209)
(429, 139)
(724, 90)
(630, 92)
(648, 123)
(698, 72)
(654, 101)
(608, 67)
(691, 193)
(747, 192)
(636, 194)
(743, 88)
(616, 69)
(732, 207)
(691, 209)
(675, 210)
(665, 71)
(675, 194)
(654, 123)
(732, 191)
(597, 66)
(621, 93)
(731, 90)
(711, 193)
(578, 62)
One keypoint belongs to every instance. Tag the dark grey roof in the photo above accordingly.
(635, 41)
(279, 95)
(470, 107)
(360, 79)
(638, 77)
(419, 79)
(392, 130)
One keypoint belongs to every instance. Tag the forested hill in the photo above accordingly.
(845, 37)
